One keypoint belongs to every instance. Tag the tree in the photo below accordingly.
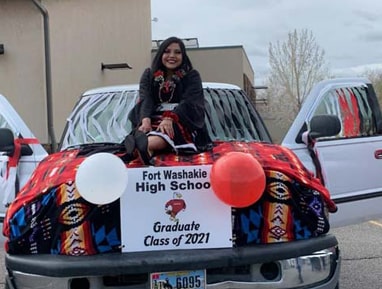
(296, 65)
(375, 76)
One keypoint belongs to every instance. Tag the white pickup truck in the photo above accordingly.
(57, 239)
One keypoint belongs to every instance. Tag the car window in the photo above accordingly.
(230, 116)
(4, 123)
(103, 117)
(353, 107)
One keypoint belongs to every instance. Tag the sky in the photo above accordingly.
(349, 31)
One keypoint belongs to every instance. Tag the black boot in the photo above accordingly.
(129, 143)
(141, 143)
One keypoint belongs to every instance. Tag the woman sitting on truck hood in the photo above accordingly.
(170, 111)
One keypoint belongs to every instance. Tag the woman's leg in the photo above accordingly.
(147, 145)
(156, 143)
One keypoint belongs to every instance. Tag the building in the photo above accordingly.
(227, 64)
(53, 50)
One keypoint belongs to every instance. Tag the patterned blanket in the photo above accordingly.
(49, 216)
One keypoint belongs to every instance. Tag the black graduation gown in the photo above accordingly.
(190, 110)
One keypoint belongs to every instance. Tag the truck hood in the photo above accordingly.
(54, 182)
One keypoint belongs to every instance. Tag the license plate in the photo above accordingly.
(178, 280)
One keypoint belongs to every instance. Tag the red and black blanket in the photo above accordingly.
(49, 216)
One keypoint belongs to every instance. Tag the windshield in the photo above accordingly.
(103, 117)
(230, 116)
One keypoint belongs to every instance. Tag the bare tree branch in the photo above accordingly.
(375, 76)
(296, 65)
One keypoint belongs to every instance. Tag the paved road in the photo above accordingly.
(361, 247)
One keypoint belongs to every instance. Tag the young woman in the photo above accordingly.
(170, 111)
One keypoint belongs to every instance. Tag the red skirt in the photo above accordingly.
(183, 140)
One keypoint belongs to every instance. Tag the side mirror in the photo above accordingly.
(320, 126)
(324, 126)
(7, 144)
(7, 141)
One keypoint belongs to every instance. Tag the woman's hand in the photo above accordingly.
(166, 127)
(146, 125)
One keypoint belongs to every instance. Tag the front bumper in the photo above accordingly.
(285, 265)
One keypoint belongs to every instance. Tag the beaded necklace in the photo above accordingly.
(167, 86)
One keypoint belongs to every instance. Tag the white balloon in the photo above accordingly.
(101, 178)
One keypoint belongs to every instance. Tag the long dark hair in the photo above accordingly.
(157, 61)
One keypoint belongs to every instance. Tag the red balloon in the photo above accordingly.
(237, 179)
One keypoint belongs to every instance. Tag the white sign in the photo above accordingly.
(173, 208)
